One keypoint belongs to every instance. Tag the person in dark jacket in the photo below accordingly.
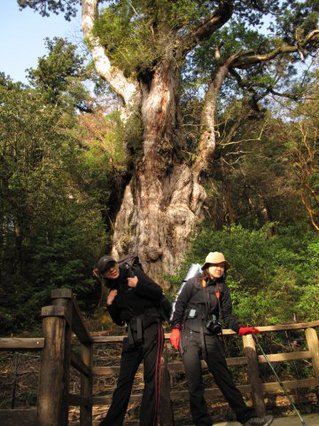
(133, 300)
(202, 302)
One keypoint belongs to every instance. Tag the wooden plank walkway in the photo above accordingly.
(310, 420)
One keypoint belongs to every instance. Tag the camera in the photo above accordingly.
(213, 325)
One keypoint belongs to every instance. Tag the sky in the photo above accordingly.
(22, 35)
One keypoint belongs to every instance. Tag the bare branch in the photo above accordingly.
(246, 60)
(233, 163)
(310, 211)
(126, 89)
(248, 86)
(237, 153)
(207, 142)
(224, 144)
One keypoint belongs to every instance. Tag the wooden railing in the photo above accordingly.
(256, 388)
(58, 322)
(21, 417)
(63, 318)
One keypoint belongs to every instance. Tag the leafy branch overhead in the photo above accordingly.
(45, 8)
(135, 36)
(207, 38)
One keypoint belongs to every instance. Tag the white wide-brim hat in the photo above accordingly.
(215, 257)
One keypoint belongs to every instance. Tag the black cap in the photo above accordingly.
(104, 263)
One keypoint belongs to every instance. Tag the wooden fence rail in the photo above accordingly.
(255, 387)
(63, 318)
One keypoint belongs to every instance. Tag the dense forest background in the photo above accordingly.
(67, 153)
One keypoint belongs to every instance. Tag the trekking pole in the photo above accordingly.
(279, 381)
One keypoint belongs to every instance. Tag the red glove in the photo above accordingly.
(247, 330)
(175, 337)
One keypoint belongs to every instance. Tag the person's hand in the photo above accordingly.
(111, 296)
(132, 281)
(247, 330)
(175, 337)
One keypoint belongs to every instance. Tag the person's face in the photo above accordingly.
(216, 270)
(112, 272)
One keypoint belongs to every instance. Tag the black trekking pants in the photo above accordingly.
(149, 351)
(192, 352)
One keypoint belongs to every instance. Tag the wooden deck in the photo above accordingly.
(310, 420)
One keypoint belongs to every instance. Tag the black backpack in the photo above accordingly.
(131, 262)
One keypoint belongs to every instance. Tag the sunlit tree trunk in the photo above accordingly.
(163, 201)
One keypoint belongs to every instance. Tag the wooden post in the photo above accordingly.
(52, 374)
(253, 374)
(86, 385)
(313, 345)
(166, 409)
(64, 297)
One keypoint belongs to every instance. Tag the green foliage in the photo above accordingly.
(59, 170)
(243, 34)
(139, 34)
(123, 33)
(133, 135)
(110, 150)
(53, 185)
(68, 7)
(297, 19)
(237, 37)
(103, 162)
(51, 230)
(60, 73)
(273, 278)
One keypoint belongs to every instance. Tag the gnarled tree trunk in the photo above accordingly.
(163, 201)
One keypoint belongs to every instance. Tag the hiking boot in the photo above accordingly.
(259, 421)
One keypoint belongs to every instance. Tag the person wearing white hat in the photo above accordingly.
(202, 302)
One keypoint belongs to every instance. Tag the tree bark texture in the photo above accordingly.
(164, 199)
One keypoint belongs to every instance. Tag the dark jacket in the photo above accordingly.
(195, 305)
(132, 302)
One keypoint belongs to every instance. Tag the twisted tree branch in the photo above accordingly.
(128, 90)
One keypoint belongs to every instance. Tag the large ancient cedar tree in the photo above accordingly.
(149, 51)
